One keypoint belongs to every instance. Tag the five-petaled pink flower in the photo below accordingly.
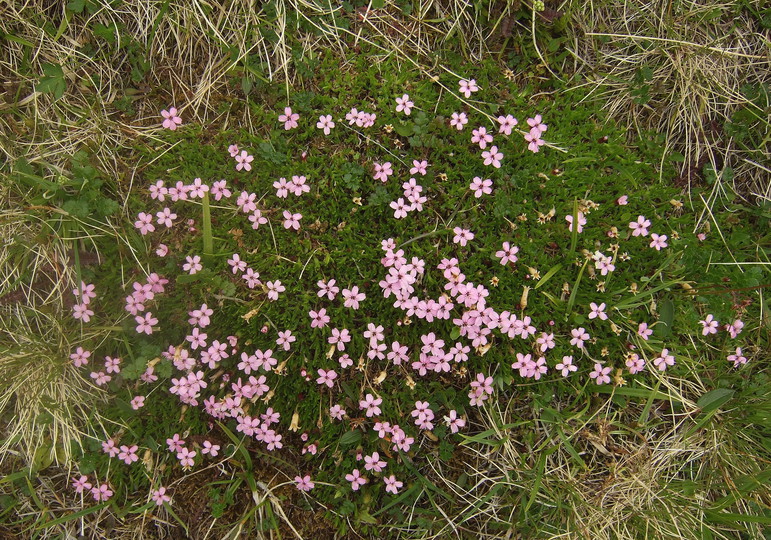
(481, 187)
(481, 137)
(640, 227)
(601, 374)
(598, 311)
(581, 222)
(356, 479)
(467, 87)
(144, 223)
(304, 483)
(643, 331)
(507, 123)
(244, 161)
(658, 241)
(392, 484)
(325, 123)
(664, 360)
(352, 297)
(462, 236)
(566, 366)
(370, 405)
(292, 221)
(159, 496)
(507, 254)
(81, 484)
(289, 118)
(458, 121)
(102, 492)
(404, 104)
(534, 140)
(171, 118)
(326, 377)
(493, 157)
(710, 325)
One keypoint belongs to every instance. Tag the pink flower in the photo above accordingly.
(404, 104)
(328, 289)
(481, 187)
(534, 140)
(325, 123)
(535, 123)
(274, 288)
(160, 497)
(374, 463)
(326, 377)
(454, 422)
(735, 328)
(145, 323)
(640, 227)
(400, 208)
(87, 292)
(382, 172)
(162, 250)
(282, 188)
(467, 87)
(128, 454)
(566, 366)
(507, 254)
(236, 264)
(101, 492)
(186, 457)
(664, 360)
(737, 358)
(212, 449)
(144, 223)
(138, 402)
(175, 443)
(219, 189)
(244, 160)
(197, 189)
(370, 405)
(289, 118)
(353, 297)
(257, 219)
(598, 311)
(658, 241)
(710, 325)
(622, 201)
(600, 374)
(292, 221)
(356, 479)
(171, 118)
(192, 265)
(457, 121)
(285, 339)
(298, 185)
(319, 319)
(635, 364)
(493, 157)
(81, 484)
(158, 191)
(108, 447)
(80, 357)
(419, 167)
(233, 150)
(481, 137)
(339, 338)
(579, 336)
(581, 222)
(462, 236)
(336, 412)
(305, 483)
(392, 484)
(643, 331)
(507, 124)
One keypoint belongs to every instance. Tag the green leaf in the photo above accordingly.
(714, 399)
(666, 316)
(547, 276)
(350, 438)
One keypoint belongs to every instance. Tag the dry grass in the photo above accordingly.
(644, 481)
(698, 56)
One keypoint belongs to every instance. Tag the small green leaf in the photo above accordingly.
(666, 316)
(350, 438)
